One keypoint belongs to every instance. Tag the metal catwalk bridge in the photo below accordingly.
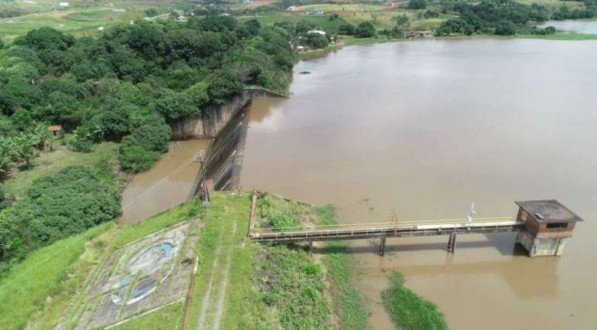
(396, 229)
(450, 227)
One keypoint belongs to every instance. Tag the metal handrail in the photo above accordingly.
(399, 224)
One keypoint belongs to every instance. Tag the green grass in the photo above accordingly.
(50, 314)
(222, 239)
(24, 290)
(166, 318)
(408, 310)
(292, 285)
(560, 36)
(348, 302)
(81, 18)
(158, 222)
(104, 158)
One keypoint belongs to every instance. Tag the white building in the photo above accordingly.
(317, 31)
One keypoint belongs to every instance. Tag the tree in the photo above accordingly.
(222, 86)
(347, 29)
(455, 26)
(17, 94)
(46, 38)
(63, 204)
(176, 106)
(6, 151)
(151, 12)
(5, 198)
(114, 123)
(417, 4)
(134, 158)
(316, 40)
(25, 149)
(365, 30)
(505, 28)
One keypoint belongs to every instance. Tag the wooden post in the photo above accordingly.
(452, 242)
(253, 213)
(189, 300)
(382, 246)
(310, 246)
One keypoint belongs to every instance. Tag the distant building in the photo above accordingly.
(317, 31)
(64, 4)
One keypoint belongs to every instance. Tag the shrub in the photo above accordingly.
(347, 29)
(281, 221)
(4, 198)
(63, 204)
(365, 30)
(177, 106)
(409, 311)
(134, 158)
(140, 150)
(505, 28)
(316, 40)
(222, 86)
(6, 150)
(417, 4)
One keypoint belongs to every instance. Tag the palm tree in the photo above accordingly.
(6, 151)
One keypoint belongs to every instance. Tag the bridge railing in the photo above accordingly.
(449, 223)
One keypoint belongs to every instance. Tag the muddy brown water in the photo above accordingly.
(167, 184)
(423, 129)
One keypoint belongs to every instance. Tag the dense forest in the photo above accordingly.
(505, 17)
(126, 86)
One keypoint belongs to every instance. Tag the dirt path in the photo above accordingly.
(214, 304)
(223, 288)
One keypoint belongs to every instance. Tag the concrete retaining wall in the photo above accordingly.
(216, 117)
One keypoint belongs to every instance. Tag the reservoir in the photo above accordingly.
(166, 185)
(420, 130)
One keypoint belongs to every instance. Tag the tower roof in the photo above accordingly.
(548, 210)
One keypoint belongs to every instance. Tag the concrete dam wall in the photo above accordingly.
(215, 117)
(227, 125)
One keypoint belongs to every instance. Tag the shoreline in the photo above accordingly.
(352, 41)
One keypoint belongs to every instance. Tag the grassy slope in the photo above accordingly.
(348, 303)
(24, 290)
(79, 259)
(167, 318)
(267, 286)
(408, 310)
(104, 157)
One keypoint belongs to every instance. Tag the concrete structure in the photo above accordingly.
(549, 224)
(542, 226)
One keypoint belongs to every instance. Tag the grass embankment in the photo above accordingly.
(53, 279)
(348, 302)
(25, 289)
(408, 310)
(239, 284)
(103, 158)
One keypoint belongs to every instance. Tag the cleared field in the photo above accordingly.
(82, 17)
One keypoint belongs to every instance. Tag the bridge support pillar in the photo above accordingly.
(382, 246)
(310, 246)
(452, 242)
